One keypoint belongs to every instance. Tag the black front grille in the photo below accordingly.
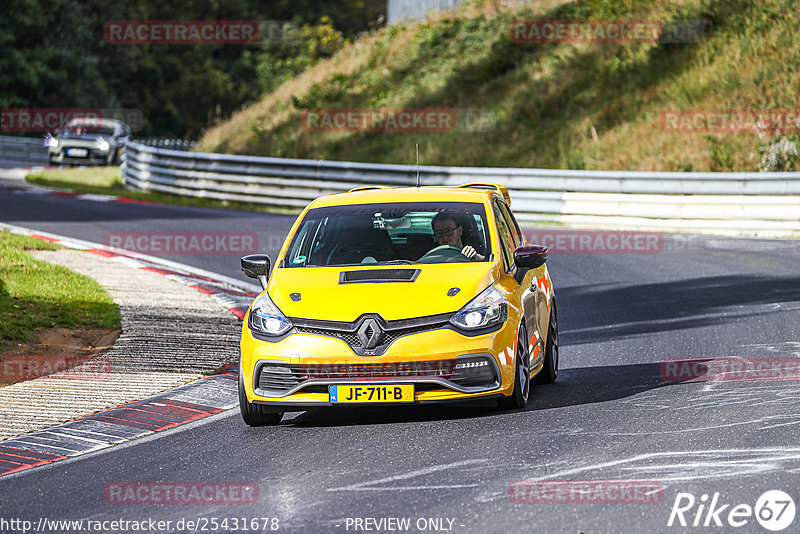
(386, 338)
(277, 379)
(390, 330)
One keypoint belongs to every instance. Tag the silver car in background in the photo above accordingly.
(88, 141)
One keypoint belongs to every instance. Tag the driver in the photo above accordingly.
(448, 232)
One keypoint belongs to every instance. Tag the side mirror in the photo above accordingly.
(528, 257)
(256, 266)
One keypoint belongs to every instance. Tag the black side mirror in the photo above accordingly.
(256, 266)
(528, 257)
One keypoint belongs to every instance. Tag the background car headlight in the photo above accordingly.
(50, 141)
(266, 319)
(101, 144)
(487, 309)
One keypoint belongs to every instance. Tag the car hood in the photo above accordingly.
(85, 137)
(323, 296)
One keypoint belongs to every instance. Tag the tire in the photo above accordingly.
(522, 377)
(254, 414)
(549, 371)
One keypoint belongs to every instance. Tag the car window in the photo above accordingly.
(516, 233)
(396, 233)
(506, 239)
(86, 129)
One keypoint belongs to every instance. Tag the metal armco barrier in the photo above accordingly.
(22, 151)
(764, 204)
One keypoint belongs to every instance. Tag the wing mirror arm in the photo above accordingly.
(256, 266)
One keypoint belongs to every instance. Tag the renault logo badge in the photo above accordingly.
(369, 333)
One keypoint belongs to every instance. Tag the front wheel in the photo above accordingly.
(254, 414)
(549, 371)
(522, 382)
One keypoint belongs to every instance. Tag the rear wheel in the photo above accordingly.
(549, 371)
(522, 382)
(254, 414)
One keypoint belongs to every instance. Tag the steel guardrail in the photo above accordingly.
(726, 203)
(23, 150)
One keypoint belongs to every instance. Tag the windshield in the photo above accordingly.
(87, 129)
(391, 234)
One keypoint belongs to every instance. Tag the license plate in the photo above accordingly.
(77, 152)
(372, 394)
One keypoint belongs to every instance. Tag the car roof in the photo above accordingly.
(382, 195)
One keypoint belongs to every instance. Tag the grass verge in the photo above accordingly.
(108, 181)
(35, 294)
(582, 105)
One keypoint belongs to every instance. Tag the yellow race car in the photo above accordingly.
(399, 295)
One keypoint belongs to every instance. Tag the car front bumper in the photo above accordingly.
(429, 360)
(93, 157)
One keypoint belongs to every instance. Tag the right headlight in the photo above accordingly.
(266, 319)
(487, 309)
(50, 141)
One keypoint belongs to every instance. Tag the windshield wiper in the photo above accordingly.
(400, 262)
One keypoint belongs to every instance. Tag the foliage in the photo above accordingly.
(54, 56)
(298, 49)
(780, 154)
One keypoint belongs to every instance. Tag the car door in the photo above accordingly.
(531, 298)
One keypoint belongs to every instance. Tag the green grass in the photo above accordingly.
(35, 294)
(567, 105)
(108, 181)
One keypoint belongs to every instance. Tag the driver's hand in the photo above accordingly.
(469, 252)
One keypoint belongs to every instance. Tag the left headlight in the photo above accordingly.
(101, 144)
(487, 309)
(266, 319)
(50, 141)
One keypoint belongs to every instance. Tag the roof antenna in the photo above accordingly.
(417, 164)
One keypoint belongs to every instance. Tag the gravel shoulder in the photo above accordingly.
(171, 334)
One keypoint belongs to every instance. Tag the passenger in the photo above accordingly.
(448, 232)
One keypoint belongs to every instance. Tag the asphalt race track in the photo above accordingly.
(611, 416)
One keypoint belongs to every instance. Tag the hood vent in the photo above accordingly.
(378, 276)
